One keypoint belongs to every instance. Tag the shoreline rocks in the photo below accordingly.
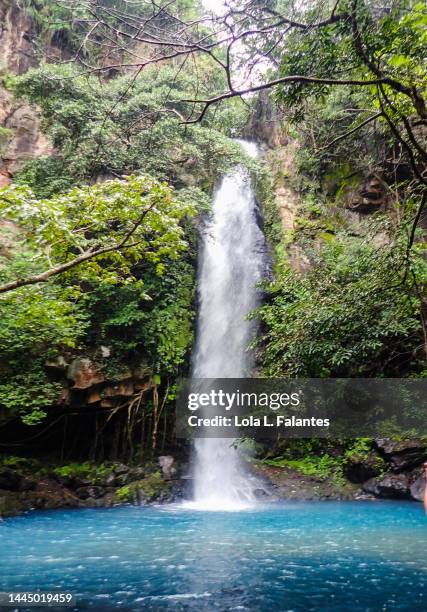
(32, 485)
(391, 470)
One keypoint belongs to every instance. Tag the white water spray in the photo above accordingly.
(232, 261)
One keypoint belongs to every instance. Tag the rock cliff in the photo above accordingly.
(20, 134)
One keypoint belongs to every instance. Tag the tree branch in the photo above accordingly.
(334, 18)
(343, 136)
(270, 84)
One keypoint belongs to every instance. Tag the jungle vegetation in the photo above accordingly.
(141, 102)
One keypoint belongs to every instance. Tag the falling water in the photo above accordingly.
(232, 261)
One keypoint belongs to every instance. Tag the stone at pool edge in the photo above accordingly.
(417, 488)
(397, 486)
(390, 487)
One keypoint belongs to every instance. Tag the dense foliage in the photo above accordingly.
(125, 125)
(135, 299)
(382, 124)
(351, 314)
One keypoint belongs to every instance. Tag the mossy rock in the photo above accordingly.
(149, 489)
(84, 474)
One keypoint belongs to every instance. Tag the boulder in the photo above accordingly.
(364, 496)
(121, 468)
(166, 463)
(137, 473)
(417, 488)
(121, 479)
(121, 475)
(260, 494)
(96, 491)
(110, 480)
(73, 482)
(82, 493)
(389, 447)
(92, 491)
(391, 486)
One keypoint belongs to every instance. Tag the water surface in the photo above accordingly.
(326, 556)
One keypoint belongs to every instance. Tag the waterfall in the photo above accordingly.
(232, 261)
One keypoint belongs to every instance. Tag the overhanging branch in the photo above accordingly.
(274, 83)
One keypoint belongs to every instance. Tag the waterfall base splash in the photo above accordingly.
(222, 482)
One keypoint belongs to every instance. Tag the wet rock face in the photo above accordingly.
(17, 32)
(265, 125)
(402, 455)
(371, 196)
(17, 54)
(27, 141)
(24, 140)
